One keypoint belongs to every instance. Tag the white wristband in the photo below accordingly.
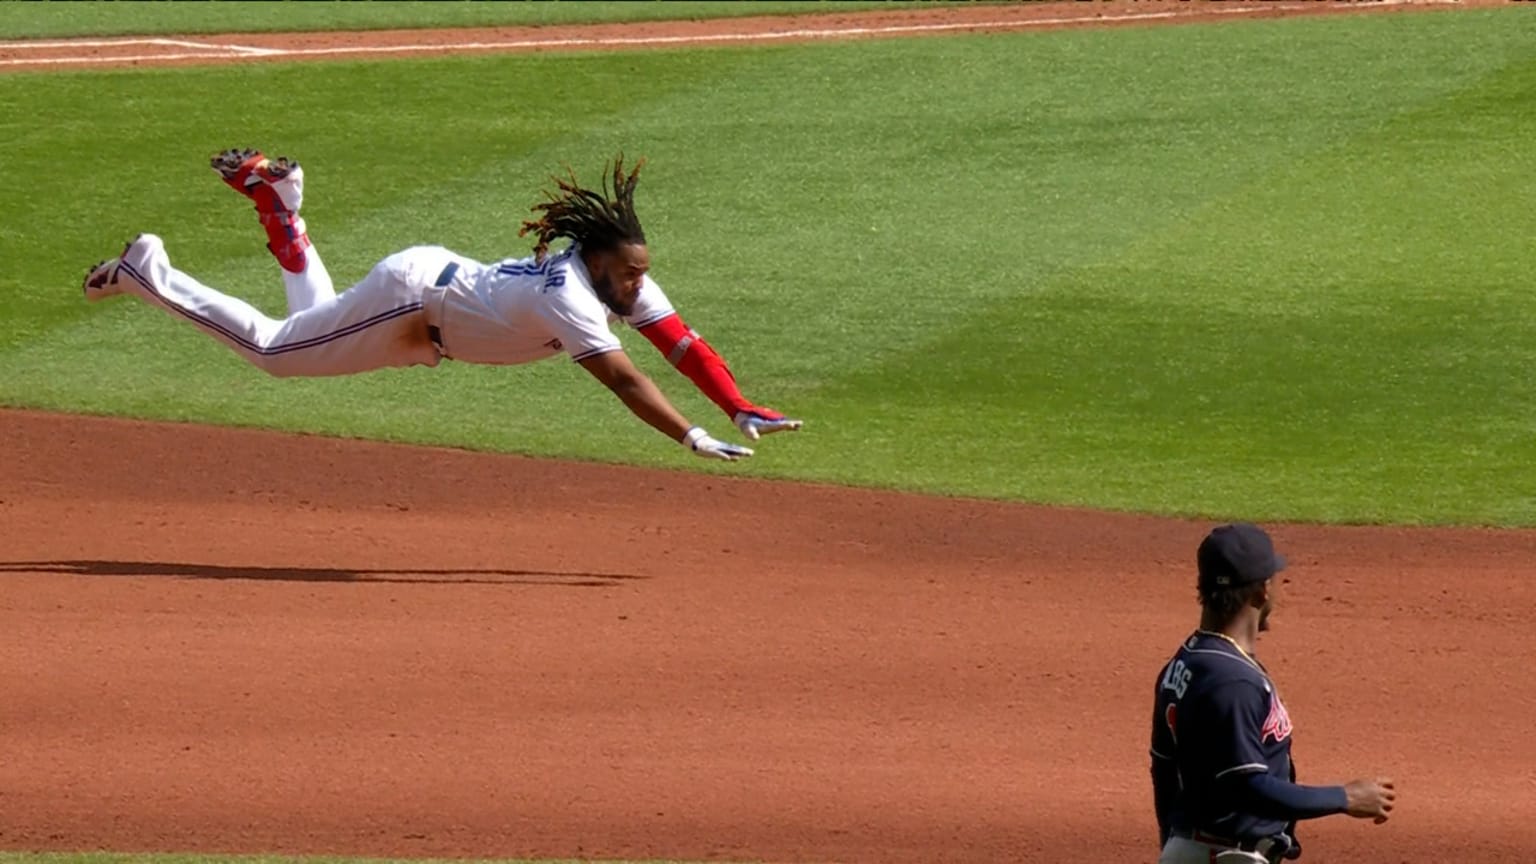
(693, 437)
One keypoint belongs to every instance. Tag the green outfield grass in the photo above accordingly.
(1275, 269)
(52, 20)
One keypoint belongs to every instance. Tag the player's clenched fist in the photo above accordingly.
(699, 442)
(1370, 799)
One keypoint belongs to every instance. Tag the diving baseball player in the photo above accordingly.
(427, 303)
(1222, 776)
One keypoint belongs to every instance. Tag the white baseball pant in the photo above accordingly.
(380, 322)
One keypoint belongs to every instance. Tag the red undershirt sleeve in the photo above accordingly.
(686, 350)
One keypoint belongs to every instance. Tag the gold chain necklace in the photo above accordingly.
(1232, 642)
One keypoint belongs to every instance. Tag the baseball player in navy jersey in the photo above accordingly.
(426, 303)
(1222, 775)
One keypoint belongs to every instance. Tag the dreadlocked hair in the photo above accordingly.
(595, 219)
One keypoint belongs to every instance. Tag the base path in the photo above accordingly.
(898, 22)
(238, 641)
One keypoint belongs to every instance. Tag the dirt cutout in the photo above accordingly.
(899, 22)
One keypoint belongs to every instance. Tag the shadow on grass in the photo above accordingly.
(171, 570)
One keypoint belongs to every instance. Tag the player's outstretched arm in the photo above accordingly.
(640, 394)
(685, 349)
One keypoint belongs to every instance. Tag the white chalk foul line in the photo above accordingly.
(210, 50)
(222, 51)
(106, 43)
(219, 46)
(181, 43)
(201, 49)
(700, 39)
(74, 43)
(252, 50)
(125, 58)
(802, 34)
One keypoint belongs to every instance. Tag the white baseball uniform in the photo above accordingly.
(413, 308)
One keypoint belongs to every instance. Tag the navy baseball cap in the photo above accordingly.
(1237, 554)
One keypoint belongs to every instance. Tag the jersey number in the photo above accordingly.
(1177, 678)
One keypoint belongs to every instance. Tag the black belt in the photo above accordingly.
(443, 279)
(1272, 848)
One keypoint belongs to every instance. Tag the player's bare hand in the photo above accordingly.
(757, 422)
(699, 442)
(1370, 799)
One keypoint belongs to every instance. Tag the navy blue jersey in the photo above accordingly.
(1218, 717)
